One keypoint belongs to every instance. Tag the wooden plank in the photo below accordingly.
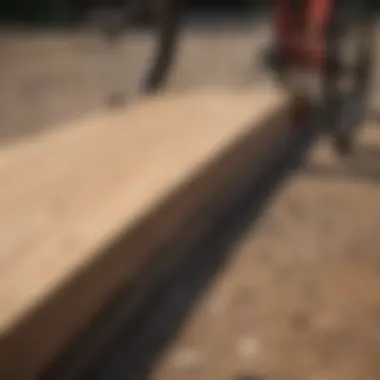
(67, 196)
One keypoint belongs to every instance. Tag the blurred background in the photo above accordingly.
(56, 65)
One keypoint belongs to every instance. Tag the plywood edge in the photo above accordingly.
(40, 336)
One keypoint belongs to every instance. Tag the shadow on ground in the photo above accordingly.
(139, 343)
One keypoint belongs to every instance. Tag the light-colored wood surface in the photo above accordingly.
(65, 195)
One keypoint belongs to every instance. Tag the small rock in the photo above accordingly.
(248, 346)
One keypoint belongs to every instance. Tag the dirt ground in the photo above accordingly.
(300, 296)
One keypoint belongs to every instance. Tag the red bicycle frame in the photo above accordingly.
(300, 28)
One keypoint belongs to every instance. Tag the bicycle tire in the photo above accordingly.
(345, 130)
(159, 21)
(167, 36)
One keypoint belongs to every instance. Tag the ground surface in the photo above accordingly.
(299, 297)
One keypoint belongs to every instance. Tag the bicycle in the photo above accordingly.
(346, 80)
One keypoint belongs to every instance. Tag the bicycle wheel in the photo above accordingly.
(142, 37)
(355, 55)
(168, 25)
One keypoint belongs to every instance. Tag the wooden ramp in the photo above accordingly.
(83, 209)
